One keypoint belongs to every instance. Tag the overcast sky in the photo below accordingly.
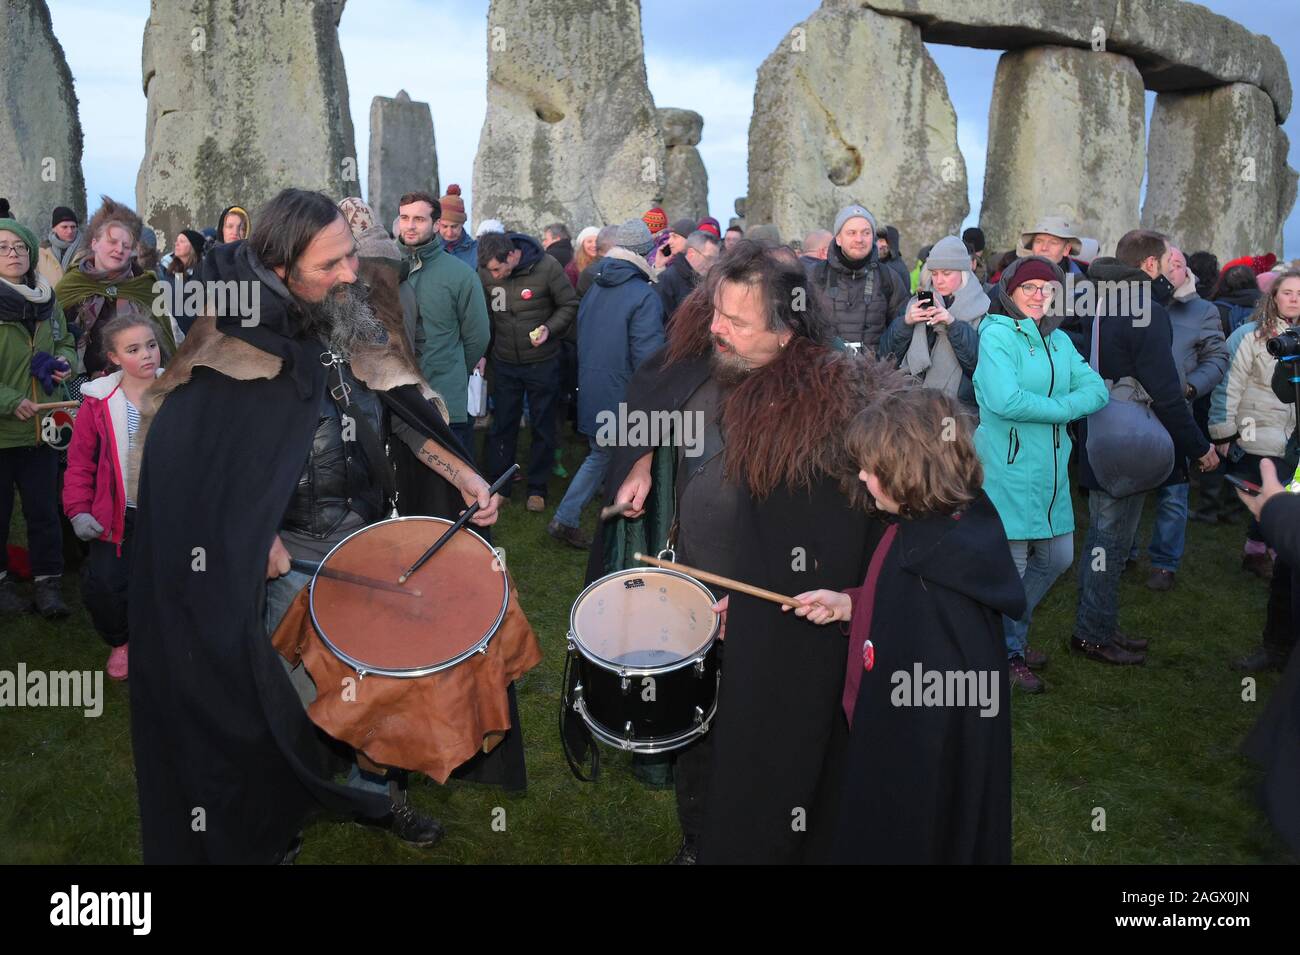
(700, 54)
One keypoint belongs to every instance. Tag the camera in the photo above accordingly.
(1285, 345)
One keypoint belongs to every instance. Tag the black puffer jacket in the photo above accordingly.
(862, 301)
(536, 293)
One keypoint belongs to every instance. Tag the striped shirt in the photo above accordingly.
(132, 426)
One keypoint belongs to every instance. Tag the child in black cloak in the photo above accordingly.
(928, 776)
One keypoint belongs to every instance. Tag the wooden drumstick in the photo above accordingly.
(615, 510)
(53, 405)
(721, 581)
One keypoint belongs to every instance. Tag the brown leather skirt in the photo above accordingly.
(431, 723)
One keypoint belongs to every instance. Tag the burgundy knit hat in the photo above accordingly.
(1029, 271)
(711, 225)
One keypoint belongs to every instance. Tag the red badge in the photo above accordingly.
(526, 294)
(868, 655)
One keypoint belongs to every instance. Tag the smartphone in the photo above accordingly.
(925, 299)
(1242, 484)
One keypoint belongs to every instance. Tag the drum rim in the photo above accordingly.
(610, 666)
(648, 746)
(363, 668)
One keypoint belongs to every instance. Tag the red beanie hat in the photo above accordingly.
(1259, 264)
(1032, 270)
(656, 219)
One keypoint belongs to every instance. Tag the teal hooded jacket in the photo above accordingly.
(1029, 387)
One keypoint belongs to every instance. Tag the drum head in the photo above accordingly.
(644, 619)
(463, 590)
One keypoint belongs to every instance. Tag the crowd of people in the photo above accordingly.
(921, 433)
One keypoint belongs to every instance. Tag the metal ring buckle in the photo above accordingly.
(672, 554)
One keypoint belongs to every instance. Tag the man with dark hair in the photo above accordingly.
(451, 329)
(559, 245)
(770, 497)
(272, 420)
(60, 245)
(974, 239)
(733, 235)
(531, 304)
(1136, 357)
(699, 251)
(887, 247)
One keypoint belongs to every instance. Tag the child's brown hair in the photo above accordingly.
(120, 323)
(918, 444)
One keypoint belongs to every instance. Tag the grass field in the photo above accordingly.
(1154, 746)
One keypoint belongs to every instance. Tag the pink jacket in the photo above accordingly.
(95, 482)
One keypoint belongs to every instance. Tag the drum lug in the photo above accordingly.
(627, 735)
(577, 695)
(624, 684)
(572, 641)
(699, 667)
(699, 716)
(483, 649)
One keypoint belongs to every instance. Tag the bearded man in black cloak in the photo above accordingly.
(773, 501)
(244, 467)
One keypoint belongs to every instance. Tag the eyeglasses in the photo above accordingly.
(1039, 291)
(19, 250)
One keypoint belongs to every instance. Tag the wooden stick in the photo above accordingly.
(52, 405)
(460, 522)
(721, 581)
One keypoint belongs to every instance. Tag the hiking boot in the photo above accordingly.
(1106, 652)
(1160, 580)
(10, 602)
(1024, 677)
(1261, 565)
(1035, 659)
(116, 666)
(1207, 516)
(1262, 659)
(688, 853)
(565, 534)
(47, 597)
(408, 824)
(535, 503)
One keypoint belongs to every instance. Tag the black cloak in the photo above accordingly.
(932, 784)
(778, 737)
(228, 764)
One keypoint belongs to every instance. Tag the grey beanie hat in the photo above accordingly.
(634, 235)
(949, 253)
(848, 212)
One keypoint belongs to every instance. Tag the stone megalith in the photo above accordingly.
(39, 125)
(825, 132)
(244, 100)
(403, 156)
(1218, 176)
(1066, 136)
(570, 133)
(686, 188)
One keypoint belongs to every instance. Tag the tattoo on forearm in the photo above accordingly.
(437, 462)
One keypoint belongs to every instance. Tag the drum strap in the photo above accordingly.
(381, 469)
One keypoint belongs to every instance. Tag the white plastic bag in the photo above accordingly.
(477, 402)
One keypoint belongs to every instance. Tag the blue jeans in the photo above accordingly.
(1039, 563)
(584, 485)
(540, 381)
(280, 592)
(1169, 532)
(1112, 526)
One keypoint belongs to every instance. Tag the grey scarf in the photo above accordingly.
(937, 366)
(64, 251)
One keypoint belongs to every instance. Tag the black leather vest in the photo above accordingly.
(337, 478)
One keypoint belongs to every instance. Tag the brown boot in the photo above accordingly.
(1106, 652)
(1132, 644)
(1035, 659)
(1160, 580)
(1023, 677)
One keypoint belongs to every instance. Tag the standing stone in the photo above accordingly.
(827, 131)
(39, 127)
(1067, 130)
(244, 100)
(403, 157)
(570, 133)
(686, 189)
(1219, 179)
